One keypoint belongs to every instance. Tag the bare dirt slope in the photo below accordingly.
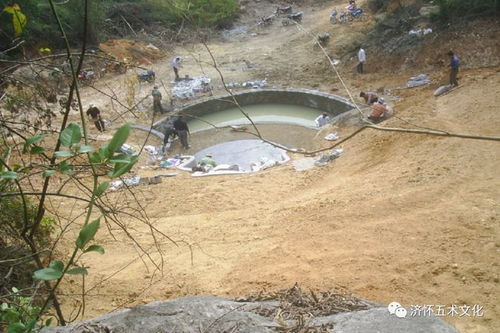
(398, 217)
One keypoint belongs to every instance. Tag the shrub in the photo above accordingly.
(41, 24)
(18, 313)
(198, 13)
(453, 9)
(376, 5)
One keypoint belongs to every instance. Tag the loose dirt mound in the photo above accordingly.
(136, 52)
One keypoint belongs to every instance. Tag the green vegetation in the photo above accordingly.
(26, 235)
(19, 315)
(198, 13)
(17, 312)
(376, 5)
(450, 10)
(41, 27)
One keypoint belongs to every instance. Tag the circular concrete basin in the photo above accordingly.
(282, 109)
(277, 106)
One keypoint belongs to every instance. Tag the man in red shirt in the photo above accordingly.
(378, 111)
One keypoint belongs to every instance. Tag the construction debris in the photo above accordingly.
(332, 137)
(170, 163)
(128, 150)
(135, 52)
(190, 87)
(130, 181)
(326, 158)
(138, 180)
(263, 164)
(248, 84)
(418, 80)
(296, 308)
(420, 32)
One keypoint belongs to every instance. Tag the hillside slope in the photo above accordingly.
(398, 217)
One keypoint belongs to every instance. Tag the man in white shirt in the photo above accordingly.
(362, 59)
(176, 64)
(322, 120)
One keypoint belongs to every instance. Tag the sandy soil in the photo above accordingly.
(398, 217)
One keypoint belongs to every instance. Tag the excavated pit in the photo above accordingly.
(282, 116)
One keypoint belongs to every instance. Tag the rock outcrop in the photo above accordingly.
(214, 314)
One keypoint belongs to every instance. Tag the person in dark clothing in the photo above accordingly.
(95, 114)
(182, 129)
(157, 107)
(454, 64)
(169, 131)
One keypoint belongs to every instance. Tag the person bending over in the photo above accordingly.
(95, 114)
(379, 110)
(369, 97)
(322, 120)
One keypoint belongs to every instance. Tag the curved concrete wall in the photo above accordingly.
(332, 104)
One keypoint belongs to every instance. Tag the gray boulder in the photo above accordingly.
(379, 320)
(214, 314)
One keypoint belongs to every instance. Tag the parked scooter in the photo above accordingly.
(266, 20)
(87, 76)
(333, 16)
(357, 13)
(148, 76)
(283, 9)
(295, 17)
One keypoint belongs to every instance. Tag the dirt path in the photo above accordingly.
(398, 217)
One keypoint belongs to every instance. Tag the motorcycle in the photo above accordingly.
(87, 76)
(266, 20)
(295, 17)
(283, 9)
(148, 76)
(357, 13)
(333, 17)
